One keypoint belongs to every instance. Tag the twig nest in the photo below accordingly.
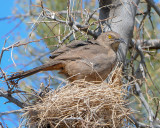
(80, 104)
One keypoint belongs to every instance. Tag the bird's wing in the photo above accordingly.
(88, 52)
(71, 46)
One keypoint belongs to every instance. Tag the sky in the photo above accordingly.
(6, 26)
(8, 30)
(7, 64)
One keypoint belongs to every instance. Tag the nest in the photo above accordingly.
(81, 104)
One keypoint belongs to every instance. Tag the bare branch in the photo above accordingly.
(17, 44)
(15, 16)
(140, 52)
(1, 125)
(153, 5)
(3, 49)
(12, 99)
(67, 36)
(89, 16)
(95, 17)
(137, 123)
(144, 102)
(11, 112)
(151, 44)
(76, 26)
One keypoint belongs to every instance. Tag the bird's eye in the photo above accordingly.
(110, 37)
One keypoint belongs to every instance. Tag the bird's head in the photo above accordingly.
(111, 39)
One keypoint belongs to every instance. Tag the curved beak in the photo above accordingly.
(116, 43)
(120, 40)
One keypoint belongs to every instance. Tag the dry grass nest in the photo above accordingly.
(81, 104)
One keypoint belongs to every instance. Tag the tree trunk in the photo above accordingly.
(121, 14)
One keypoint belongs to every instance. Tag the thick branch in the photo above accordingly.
(152, 44)
(153, 5)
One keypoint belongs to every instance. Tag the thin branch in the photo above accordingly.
(17, 44)
(89, 16)
(55, 77)
(69, 11)
(15, 16)
(67, 36)
(84, 28)
(95, 17)
(37, 58)
(11, 112)
(12, 99)
(140, 52)
(144, 102)
(75, 25)
(3, 49)
(17, 25)
(5, 77)
(137, 123)
(145, 15)
(1, 125)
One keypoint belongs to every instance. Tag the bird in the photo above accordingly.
(91, 60)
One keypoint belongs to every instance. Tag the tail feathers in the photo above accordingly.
(44, 67)
(24, 74)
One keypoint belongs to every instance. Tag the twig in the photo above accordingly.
(95, 17)
(75, 25)
(16, 16)
(17, 44)
(10, 112)
(5, 77)
(157, 110)
(1, 125)
(145, 15)
(37, 58)
(13, 28)
(12, 56)
(140, 52)
(29, 7)
(68, 11)
(89, 17)
(67, 36)
(3, 49)
(137, 123)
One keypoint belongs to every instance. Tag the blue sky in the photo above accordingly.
(7, 64)
(6, 29)
(6, 26)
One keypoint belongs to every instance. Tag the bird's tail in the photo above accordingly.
(44, 67)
